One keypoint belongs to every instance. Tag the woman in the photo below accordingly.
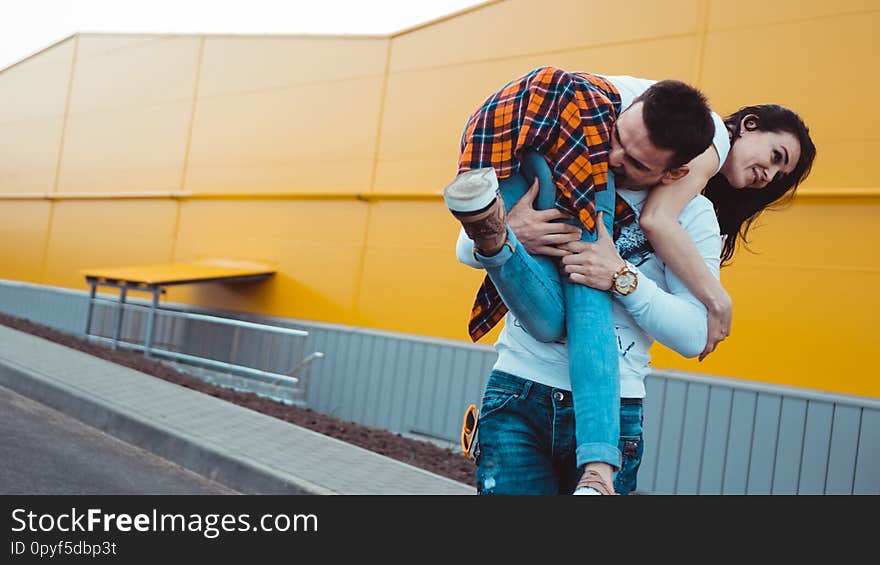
(771, 152)
(765, 167)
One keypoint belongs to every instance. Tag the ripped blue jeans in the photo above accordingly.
(527, 445)
(549, 306)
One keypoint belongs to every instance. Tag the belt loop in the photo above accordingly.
(527, 386)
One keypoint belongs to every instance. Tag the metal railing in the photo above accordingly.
(270, 374)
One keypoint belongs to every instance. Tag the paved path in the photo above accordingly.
(247, 451)
(43, 451)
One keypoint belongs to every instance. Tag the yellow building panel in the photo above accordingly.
(412, 281)
(418, 175)
(419, 149)
(175, 273)
(86, 233)
(138, 75)
(524, 27)
(292, 175)
(792, 65)
(315, 247)
(666, 58)
(36, 87)
(416, 127)
(805, 305)
(101, 44)
(23, 233)
(29, 155)
(817, 233)
(725, 14)
(842, 164)
(133, 149)
(298, 139)
(245, 64)
(811, 337)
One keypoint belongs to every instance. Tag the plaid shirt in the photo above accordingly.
(565, 116)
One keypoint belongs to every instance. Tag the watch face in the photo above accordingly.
(625, 280)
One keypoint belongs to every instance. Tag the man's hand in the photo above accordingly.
(535, 229)
(719, 319)
(593, 263)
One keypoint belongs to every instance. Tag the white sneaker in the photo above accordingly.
(471, 191)
(587, 491)
(591, 480)
(474, 200)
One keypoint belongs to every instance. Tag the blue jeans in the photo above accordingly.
(549, 306)
(526, 441)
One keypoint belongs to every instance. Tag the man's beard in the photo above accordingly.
(624, 182)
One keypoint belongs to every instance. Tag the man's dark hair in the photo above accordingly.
(678, 117)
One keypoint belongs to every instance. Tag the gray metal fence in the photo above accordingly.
(710, 435)
(703, 434)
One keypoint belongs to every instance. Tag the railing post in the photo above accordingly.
(119, 312)
(151, 320)
(92, 289)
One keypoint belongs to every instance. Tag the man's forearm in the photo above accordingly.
(673, 320)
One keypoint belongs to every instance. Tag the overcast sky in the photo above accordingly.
(28, 26)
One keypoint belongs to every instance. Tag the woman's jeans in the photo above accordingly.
(526, 441)
(549, 306)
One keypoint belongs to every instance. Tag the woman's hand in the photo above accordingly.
(536, 230)
(720, 317)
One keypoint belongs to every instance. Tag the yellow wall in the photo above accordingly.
(325, 156)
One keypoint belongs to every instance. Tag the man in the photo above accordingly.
(664, 309)
(505, 465)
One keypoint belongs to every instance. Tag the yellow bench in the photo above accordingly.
(153, 279)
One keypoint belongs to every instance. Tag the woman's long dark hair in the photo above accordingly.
(737, 209)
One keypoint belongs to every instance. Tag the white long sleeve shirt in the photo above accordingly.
(660, 308)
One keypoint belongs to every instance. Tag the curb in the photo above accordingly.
(195, 454)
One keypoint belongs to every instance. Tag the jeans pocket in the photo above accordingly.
(495, 400)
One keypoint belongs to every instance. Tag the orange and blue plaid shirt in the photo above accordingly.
(563, 115)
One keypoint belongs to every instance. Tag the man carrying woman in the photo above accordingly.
(565, 129)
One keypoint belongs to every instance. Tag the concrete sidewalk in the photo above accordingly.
(245, 450)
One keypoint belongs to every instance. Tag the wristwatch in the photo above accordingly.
(625, 280)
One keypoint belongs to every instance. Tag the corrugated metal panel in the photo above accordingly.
(653, 413)
(669, 447)
(703, 435)
(399, 381)
(842, 453)
(693, 438)
(353, 392)
(715, 442)
(786, 475)
(423, 394)
(817, 440)
(370, 407)
(739, 442)
(438, 406)
(867, 475)
(762, 457)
